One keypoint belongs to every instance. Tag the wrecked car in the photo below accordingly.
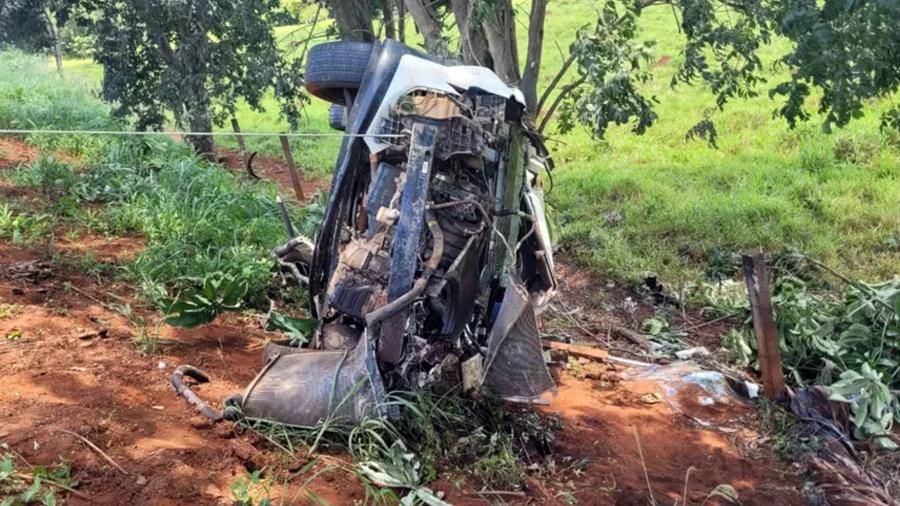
(434, 255)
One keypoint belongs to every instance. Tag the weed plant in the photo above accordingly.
(204, 226)
(480, 440)
(850, 343)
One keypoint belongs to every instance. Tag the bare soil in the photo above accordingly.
(271, 169)
(59, 372)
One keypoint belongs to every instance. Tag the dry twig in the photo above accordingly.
(96, 449)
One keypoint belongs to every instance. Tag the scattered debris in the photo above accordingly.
(844, 480)
(689, 353)
(704, 396)
(92, 334)
(578, 351)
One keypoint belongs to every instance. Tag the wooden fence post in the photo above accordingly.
(240, 140)
(764, 325)
(292, 169)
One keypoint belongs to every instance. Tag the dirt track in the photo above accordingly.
(56, 379)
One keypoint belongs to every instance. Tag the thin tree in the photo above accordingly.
(193, 59)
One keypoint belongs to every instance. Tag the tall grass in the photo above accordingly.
(34, 97)
(198, 219)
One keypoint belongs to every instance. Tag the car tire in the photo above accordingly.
(333, 67)
(337, 118)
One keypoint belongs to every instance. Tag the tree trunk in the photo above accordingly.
(401, 21)
(57, 54)
(53, 32)
(199, 118)
(352, 19)
(426, 21)
(500, 31)
(473, 46)
(533, 58)
(387, 15)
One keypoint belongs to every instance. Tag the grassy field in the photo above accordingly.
(658, 203)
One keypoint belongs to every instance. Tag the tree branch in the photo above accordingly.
(427, 23)
(553, 83)
(559, 98)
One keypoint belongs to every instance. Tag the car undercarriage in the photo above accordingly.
(434, 256)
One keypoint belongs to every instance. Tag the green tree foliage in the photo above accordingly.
(24, 25)
(34, 25)
(193, 59)
(847, 49)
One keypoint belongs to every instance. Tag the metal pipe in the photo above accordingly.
(437, 251)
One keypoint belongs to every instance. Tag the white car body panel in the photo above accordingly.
(414, 73)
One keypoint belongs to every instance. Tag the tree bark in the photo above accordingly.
(426, 21)
(199, 119)
(352, 19)
(533, 58)
(401, 21)
(473, 46)
(53, 32)
(387, 16)
(500, 31)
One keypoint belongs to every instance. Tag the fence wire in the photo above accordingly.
(189, 134)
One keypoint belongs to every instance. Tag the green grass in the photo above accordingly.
(682, 203)
(834, 197)
(199, 221)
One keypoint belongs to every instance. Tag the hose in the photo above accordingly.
(188, 394)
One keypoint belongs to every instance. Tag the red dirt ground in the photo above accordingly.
(103, 389)
(271, 169)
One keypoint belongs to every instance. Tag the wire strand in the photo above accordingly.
(192, 134)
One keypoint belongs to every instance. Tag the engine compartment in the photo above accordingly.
(463, 202)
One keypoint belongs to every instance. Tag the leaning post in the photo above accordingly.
(240, 140)
(292, 169)
(764, 325)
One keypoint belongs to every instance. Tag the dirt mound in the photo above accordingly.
(61, 374)
(14, 152)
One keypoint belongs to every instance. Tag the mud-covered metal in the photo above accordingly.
(300, 389)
